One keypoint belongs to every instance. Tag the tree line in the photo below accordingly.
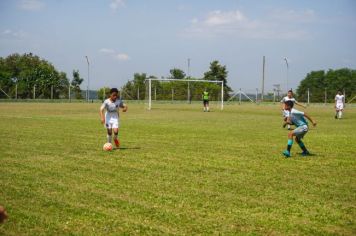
(20, 75)
(321, 83)
(167, 90)
(24, 76)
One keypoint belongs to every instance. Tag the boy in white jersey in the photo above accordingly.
(298, 119)
(111, 118)
(339, 104)
(285, 113)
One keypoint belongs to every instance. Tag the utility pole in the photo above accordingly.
(88, 96)
(188, 81)
(287, 73)
(263, 79)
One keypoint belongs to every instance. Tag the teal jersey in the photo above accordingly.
(297, 118)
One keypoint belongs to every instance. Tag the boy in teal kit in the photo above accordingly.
(297, 118)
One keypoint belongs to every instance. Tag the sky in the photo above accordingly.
(123, 37)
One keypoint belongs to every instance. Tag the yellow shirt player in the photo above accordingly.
(206, 100)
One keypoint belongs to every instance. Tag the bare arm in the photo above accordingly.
(102, 117)
(310, 119)
(299, 104)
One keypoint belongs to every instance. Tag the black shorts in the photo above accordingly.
(206, 102)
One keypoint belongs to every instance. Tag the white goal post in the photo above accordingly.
(184, 80)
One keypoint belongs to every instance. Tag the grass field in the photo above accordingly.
(180, 172)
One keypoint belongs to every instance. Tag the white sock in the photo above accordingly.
(207, 108)
(340, 114)
(109, 138)
(115, 136)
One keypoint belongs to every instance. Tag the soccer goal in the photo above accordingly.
(182, 90)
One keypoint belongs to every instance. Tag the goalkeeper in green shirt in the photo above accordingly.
(206, 100)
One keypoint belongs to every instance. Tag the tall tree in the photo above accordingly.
(218, 72)
(177, 73)
(28, 70)
(76, 82)
(319, 82)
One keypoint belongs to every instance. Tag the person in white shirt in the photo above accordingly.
(285, 112)
(111, 117)
(339, 104)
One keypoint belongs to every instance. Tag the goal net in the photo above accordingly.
(179, 91)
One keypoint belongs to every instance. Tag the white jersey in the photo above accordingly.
(286, 113)
(339, 99)
(112, 112)
(286, 98)
(339, 102)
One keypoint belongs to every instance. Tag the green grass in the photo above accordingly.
(181, 172)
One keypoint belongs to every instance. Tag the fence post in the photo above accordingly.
(69, 93)
(308, 96)
(325, 98)
(240, 97)
(52, 92)
(34, 91)
(172, 94)
(257, 94)
(16, 92)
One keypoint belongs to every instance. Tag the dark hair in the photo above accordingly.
(114, 90)
(289, 104)
(290, 91)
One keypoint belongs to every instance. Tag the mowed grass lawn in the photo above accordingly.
(180, 172)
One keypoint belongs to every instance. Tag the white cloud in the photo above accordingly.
(122, 57)
(217, 18)
(116, 55)
(17, 34)
(116, 4)
(278, 25)
(107, 51)
(31, 5)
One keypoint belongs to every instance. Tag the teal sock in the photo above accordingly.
(290, 143)
(302, 146)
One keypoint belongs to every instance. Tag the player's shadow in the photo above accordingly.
(126, 148)
(309, 155)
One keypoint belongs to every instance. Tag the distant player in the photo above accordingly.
(285, 113)
(339, 104)
(298, 119)
(111, 117)
(206, 100)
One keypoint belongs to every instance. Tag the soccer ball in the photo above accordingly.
(107, 147)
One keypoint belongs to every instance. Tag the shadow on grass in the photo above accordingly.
(126, 148)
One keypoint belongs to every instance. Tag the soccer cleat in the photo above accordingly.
(117, 143)
(286, 153)
(304, 154)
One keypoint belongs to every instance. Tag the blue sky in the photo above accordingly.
(122, 37)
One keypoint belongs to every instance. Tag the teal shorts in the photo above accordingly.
(300, 131)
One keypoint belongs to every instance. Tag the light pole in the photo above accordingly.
(188, 81)
(287, 71)
(88, 80)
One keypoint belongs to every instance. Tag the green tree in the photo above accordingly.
(177, 74)
(27, 71)
(103, 93)
(319, 82)
(76, 82)
(218, 72)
